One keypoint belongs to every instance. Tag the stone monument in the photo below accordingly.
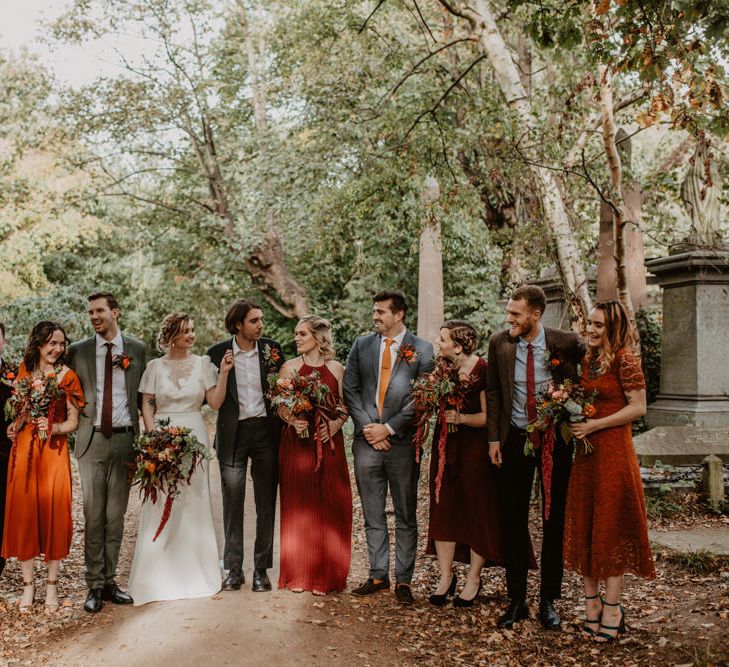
(691, 414)
(430, 275)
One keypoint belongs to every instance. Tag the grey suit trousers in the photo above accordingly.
(374, 472)
(104, 470)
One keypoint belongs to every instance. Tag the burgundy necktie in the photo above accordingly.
(531, 401)
(106, 403)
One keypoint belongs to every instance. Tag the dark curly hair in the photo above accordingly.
(39, 336)
(462, 333)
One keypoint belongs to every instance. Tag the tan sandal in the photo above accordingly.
(52, 582)
(27, 607)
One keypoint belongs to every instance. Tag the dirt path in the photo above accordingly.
(233, 628)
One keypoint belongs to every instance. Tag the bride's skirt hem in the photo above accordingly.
(191, 596)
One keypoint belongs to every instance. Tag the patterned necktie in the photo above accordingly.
(106, 402)
(531, 401)
(385, 369)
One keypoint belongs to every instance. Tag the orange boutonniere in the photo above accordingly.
(121, 361)
(272, 356)
(407, 354)
(554, 361)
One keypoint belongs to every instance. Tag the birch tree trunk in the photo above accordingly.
(509, 80)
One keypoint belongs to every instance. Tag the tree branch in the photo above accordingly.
(372, 13)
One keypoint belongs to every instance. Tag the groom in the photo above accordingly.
(523, 360)
(247, 428)
(377, 383)
(104, 441)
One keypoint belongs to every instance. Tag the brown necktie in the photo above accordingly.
(385, 369)
(531, 401)
(106, 403)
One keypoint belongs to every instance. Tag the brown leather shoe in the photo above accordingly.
(369, 587)
(403, 594)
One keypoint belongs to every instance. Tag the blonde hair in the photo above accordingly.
(172, 326)
(619, 334)
(322, 332)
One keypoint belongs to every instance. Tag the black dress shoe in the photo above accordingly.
(440, 600)
(548, 615)
(458, 601)
(93, 601)
(403, 594)
(369, 587)
(261, 581)
(233, 581)
(517, 611)
(112, 593)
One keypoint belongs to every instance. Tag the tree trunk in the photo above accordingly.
(616, 187)
(430, 274)
(508, 78)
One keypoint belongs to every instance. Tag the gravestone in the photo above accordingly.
(682, 445)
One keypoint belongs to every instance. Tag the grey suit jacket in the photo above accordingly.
(564, 346)
(82, 358)
(360, 385)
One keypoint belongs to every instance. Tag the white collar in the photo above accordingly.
(116, 341)
(398, 339)
(237, 349)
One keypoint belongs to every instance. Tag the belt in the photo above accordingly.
(116, 429)
(249, 420)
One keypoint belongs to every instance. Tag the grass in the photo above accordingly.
(698, 562)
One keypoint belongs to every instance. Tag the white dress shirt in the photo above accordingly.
(120, 415)
(248, 383)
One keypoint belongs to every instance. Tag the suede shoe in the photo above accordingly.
(93, 602)
(548, 616)
(261, 582)
(112, 593)
(403, 594)
(369, 587)
(517, 611)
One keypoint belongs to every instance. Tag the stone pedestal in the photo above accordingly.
(695, 351)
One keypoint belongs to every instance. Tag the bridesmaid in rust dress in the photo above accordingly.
(316, 505)
(464, 525)
(605, 531)
(38, 506)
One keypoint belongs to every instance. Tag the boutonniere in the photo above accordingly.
(271, 355)
(9, 375)
(407, 354)
(121, 361)
(553, 360)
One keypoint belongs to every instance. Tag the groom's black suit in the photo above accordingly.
(238, 440)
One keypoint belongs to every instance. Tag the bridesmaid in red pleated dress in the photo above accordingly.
(316, 505)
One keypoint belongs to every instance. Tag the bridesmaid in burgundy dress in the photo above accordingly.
(464, 525)
(316, 505)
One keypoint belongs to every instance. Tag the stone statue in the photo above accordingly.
(700, 196)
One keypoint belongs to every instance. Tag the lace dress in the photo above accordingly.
(605, 532)
(184, 561)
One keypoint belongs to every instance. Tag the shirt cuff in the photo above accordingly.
(389, 428)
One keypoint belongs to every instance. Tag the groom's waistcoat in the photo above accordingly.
(360, 385)
(564, 347)
(82, 358)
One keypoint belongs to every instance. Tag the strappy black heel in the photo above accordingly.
(620, 628)
(440, 600)
(589, 632)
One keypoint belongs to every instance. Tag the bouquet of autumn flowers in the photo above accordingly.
(166, 459)
(440, 390)
(558, 407)
(33, 396)
(307, 397)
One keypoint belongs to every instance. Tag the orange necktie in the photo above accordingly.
(385, 369)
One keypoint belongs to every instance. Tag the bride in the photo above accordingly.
(183, 562)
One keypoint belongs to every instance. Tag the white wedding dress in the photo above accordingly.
(184, 561)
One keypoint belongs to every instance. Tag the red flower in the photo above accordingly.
(555, 362)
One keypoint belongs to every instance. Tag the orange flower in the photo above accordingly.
(555, 362)
(125, 363)
(10, 376)
(150, 466)
(50, 374)
(589, 410)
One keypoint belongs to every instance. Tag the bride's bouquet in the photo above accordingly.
(33, 396)
(442, 389)
(166, 459)
(307, 397)
(558, 407)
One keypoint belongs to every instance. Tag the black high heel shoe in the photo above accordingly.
(440, 600)
(589, 632)
(458, 601)
(606, 637)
